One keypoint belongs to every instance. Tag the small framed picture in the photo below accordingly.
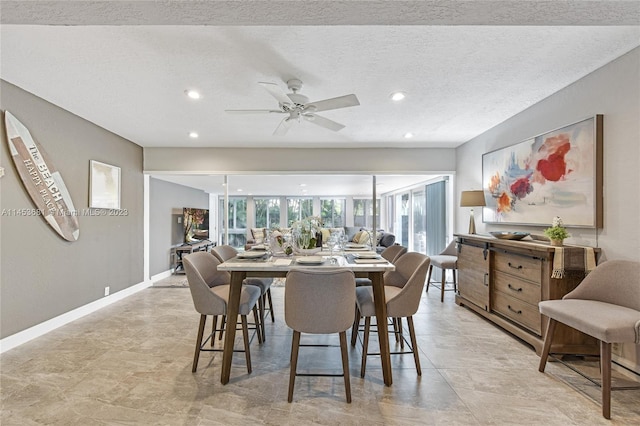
(104, 186)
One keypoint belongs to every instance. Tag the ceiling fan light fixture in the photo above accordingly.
(193, 94)
(397, 96)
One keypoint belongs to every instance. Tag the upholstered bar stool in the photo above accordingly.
(390, 254)
(201, 269)
(605, 305)
(447, 259)
(402, 290)
(319, 302)
(225, 252)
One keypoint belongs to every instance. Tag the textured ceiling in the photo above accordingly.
(466, 66)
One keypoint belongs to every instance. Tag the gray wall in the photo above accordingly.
(613, 90)
(166, 201)
(307, 160)
(42, 275)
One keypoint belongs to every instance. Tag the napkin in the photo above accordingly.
(282, 262)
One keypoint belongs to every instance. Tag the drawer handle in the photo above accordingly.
(513, 310)
(484, 279)
(513, 288)
(514, 267)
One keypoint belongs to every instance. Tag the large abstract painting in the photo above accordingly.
(558, 173)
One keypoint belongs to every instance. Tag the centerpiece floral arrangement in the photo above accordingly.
(306, 231)
(557, 231)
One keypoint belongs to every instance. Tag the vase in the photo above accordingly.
(556, 243)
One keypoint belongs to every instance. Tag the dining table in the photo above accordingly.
(274, 266)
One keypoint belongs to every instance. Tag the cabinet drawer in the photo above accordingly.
(515, 287)
(518, 311)
(520, 266)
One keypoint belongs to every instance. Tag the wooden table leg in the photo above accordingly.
(232, 317)
(381, 318)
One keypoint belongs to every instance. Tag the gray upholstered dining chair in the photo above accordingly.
(319, 302)
(225, 252)
(390, 254)
(402, 289)
(606, 306)
(208, 299)
(446, 259)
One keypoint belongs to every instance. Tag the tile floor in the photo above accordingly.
(130, 364)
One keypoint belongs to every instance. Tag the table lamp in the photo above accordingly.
(472, 199)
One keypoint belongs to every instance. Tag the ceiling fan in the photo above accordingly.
(298, 107)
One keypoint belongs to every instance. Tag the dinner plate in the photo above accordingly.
(367, 255)
(259, 247)
(251, 254)
(356, 246)
(381, 260)
(310, 260)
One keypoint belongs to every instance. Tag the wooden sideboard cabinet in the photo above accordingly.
(504, 280)
(177, 252)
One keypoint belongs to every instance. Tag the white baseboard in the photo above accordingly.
(43, 328)
(161, 276)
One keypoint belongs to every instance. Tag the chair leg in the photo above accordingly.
(345, 365)
(551, 328)
(273, 318)
(400, 336)
(354, 328)
(222, 326)
(429, 278)
(455, 281)
(444, 281)
(213, 330)
(394, 322)
(295, 345)
(260, 325)
(365, 345)
(259, 321)
(605, 367)
(245, 336)
(196, 356)
(414, 344)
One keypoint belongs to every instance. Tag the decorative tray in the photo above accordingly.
(505, 235)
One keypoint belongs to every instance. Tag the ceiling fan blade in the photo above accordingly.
(253, 111)
(323, 122)
(335, 103)
(276, 91)
(283, 127)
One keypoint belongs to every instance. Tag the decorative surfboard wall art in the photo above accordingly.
(42, 180)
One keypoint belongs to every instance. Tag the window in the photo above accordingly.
(401, 227)
(267, 212)
(363, 213)
(332, 212)
(419, 220)
(298, 208)
(237, 224)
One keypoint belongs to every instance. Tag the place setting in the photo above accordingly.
(252, 255)
(310, 260)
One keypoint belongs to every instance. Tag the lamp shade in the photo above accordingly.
(472, 199)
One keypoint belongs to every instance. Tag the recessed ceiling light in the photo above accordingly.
(408, 135)
(193, 135)
(193, 94)
(303, 184)
(397, 96)
(239, 190)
